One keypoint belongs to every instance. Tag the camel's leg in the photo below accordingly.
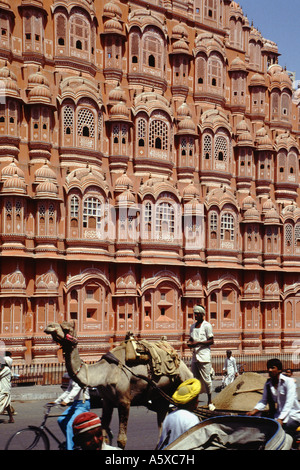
(107, 412)
(123, 410)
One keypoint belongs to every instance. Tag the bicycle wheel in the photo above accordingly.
(31, 438)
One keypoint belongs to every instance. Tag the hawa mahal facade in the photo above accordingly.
(149, 161)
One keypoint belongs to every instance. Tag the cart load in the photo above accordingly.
(242, 394)
(234, 433)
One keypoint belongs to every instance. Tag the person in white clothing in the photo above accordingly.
(5, 387)
(281, 396)
(201, 339)
(78, 401)
(230, 368)
(183, 417)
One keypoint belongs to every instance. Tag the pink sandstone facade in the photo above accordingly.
(149, 160)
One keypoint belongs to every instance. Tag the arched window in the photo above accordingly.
(46, 222)
(153, 51)
(297, 236)
(213, 225)
(288, 235)
(74, 211)
(61, 29)
(14, 216)
(165, 221)
(285, 106)
(92, 213)
(33, 32)
(5, 31)
(207, 147)
(80, 34)
(227, 227)
(86, 128)
(210, 9)
(68, 123)
(221, 152)
(134, 47)
(141, 132)
(148, 217)
(159, 134)
(215, 71)
(200, 72)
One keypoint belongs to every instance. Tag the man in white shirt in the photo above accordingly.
(78, 401)
(201, 339)
(281, 396)
(182, 418)
(230, 368)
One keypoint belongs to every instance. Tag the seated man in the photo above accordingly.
(88, 434)
(281, 396)
(182, 418)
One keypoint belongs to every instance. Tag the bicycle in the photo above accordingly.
(34, 437)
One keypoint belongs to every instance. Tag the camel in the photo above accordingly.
(119, 387)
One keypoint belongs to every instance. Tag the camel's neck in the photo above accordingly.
(76, 367)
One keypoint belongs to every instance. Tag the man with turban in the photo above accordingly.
(183, 416)
(88, 435)
(200, 341)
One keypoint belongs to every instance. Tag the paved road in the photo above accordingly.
(142, 427)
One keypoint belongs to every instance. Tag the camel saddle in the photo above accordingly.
(162, 357)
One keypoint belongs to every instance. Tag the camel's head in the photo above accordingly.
(63, 333)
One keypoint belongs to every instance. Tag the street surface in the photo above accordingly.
(142, 427)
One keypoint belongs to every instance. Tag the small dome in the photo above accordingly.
(242, 126)
(238, 65)
(248, 202)
(11, 170)
(39, 93)
(179, 31)
(252, 214)
(112, 9)
(116, 94)
(5, 72)
(123, 182)
(8, 82)
(190, 192)
(272, 216)
(46, 188)
(187, 125)
(279, 77)
(180, 46)
(14, 184)
(235, 6)
(184, 110)
(257, 80)
(45, 172)
(267, 205)
(37, 78)
(125, 198)
(120, 111)
(263, 140)
(245, 139)
(113, 25)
